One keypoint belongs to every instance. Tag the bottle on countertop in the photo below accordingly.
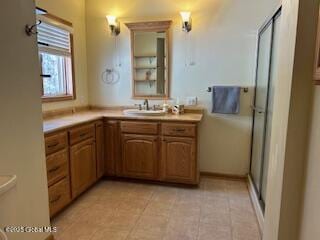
(165, 107)
(178, 108)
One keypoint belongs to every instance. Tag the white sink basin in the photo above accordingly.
(6, 183)
(3, 236)
(138, 112)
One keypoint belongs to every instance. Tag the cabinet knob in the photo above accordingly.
(180, 129)
(83, 134)
(53, 145)
(54, 169)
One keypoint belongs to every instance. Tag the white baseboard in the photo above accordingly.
(256, 204)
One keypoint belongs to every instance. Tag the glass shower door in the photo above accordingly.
(260, 104)
(273, 74)
(263, 104)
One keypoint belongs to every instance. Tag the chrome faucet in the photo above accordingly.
(146, 104)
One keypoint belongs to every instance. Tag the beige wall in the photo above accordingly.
(222, 46)
(21, 135)
(72, 11)
(311, 197)
(311, 210)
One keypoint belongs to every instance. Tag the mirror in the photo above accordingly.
(150, 59)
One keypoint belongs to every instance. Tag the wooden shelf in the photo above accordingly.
(144, 80)
(145, 56)
(145, 67)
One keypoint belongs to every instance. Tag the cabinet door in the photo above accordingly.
(112, 164)
(179, 160)
(83, 166)
(140, 156)
(100, 150)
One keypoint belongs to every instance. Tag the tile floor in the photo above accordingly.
(114, 210)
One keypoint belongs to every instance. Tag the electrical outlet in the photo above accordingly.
(192, 101)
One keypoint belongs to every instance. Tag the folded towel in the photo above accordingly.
(226, 100)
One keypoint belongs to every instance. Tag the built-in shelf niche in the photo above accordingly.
(150, 51)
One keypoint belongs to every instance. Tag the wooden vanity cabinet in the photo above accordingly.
(82, 158)
(169, 155)
(56, 142)
(178, 162)
(100, 149)
(57, 166)
(139, 127)
(149, 150)
(139, 149)
(57, 161)
(75, 161)
(179, 153)
(83, 166)
(82, 133)
(140, 156)
(59, 195)
(112, 148)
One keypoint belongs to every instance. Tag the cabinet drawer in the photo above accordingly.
(59, 196)
(139, 127)
(175, 129)
(56, 142)
(57, 166)
(82, 133)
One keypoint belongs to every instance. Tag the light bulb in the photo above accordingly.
(112, 20)
(185, 16)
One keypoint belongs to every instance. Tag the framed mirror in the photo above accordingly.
(150, 59)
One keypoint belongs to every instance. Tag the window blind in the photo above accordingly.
(55, 38)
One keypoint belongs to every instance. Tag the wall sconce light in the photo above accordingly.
(186, 21)
(113, 25)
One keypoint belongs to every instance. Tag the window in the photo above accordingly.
(55, 55)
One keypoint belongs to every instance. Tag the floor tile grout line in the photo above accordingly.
(113, 214)
(136, 223)
(65, 230)
(198, 234)
(231, 191)
(230, 215)
(170, 216)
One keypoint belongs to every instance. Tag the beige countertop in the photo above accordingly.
(66, 121)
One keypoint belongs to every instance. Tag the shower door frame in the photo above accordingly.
(270, 20)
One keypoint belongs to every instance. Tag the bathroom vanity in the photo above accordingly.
(82, 148)
(145, 144)
(149, 150)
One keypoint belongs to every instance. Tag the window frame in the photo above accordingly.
(65, 97)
